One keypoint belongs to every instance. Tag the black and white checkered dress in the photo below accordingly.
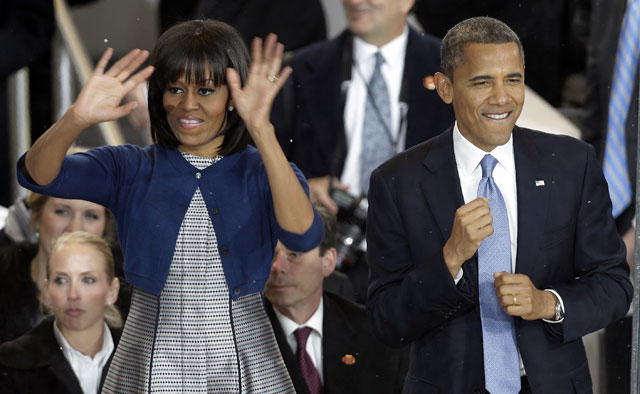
(194, 338)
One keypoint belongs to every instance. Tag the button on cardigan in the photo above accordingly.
(148, 191)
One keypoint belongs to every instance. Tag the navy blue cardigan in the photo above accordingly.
(149, 189)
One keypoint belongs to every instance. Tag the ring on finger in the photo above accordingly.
(515, 299)
(273, 78)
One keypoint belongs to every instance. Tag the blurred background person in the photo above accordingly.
(338, 353)
(602, 98)
(296, 23)
(355, 101)
(23, 265)
(70, 352)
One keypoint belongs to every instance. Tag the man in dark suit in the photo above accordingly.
(321, 108)
(566, 273)
(344, 352)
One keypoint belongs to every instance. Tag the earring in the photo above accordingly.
(230, 108)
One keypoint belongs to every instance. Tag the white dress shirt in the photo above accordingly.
(314, 342)
(468, 158)
(363, 66)
(88, 369)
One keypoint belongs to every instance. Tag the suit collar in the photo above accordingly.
(39, 349)
(338, 375)
(534, 180)
(441, 179)
(288, 356)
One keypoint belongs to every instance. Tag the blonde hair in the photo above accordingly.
(111, 313)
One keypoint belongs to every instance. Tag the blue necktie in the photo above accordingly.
(615, 165)
(501, 362)
(376, 127)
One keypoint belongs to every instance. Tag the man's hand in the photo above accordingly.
(519, 297)
(471, 225)
(319, 191)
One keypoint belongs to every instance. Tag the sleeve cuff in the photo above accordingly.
(561, 306)
(458, 277)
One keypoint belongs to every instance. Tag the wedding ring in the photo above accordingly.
(515, 300)
(273, 78)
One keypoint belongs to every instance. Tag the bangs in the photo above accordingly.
(192, 63)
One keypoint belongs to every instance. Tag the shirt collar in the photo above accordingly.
(314, 322)
(72, 354)
(468, 156)
(393, 51)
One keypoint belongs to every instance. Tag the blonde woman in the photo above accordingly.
(68, 352)
(23, 265)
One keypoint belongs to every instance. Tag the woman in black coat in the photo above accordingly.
(70, 352)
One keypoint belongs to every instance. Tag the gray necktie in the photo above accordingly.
(376, 128)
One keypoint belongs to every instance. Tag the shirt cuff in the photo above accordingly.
(561, 306)
(458, 277)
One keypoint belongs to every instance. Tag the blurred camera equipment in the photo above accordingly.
(352, 219)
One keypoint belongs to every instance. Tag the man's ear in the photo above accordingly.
(444, 87)
(329, 261)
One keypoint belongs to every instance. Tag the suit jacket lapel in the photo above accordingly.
(339, 336)
(58, 365)
(289, 358)
(533, 182)
(322, 79)
(443, 172)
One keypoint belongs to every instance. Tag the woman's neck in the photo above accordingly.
(87, 341)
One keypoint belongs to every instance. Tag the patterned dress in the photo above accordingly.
(194, 338)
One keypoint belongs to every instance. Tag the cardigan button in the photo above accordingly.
(225, 250)
(236, 291)
(198, 175)
(214, 211)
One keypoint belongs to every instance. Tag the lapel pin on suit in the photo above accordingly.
(429, 83)
(539, 182)
(348, 359)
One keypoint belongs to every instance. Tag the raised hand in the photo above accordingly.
(471, 225)
(101, 97)
(253, 101)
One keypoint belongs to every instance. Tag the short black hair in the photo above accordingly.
(198, 50)
(476, 30)
(330, 229)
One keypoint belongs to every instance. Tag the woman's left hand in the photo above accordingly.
(253, 101)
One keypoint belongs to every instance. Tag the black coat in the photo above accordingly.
(19, 304)
(34, 363)
(378, 369)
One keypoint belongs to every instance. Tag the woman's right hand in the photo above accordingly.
(101, 97)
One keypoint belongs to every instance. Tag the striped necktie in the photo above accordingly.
(309, 371)
(615, 164)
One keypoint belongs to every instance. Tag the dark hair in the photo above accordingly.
(330, 229)
(476, 30)
(198, 50)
